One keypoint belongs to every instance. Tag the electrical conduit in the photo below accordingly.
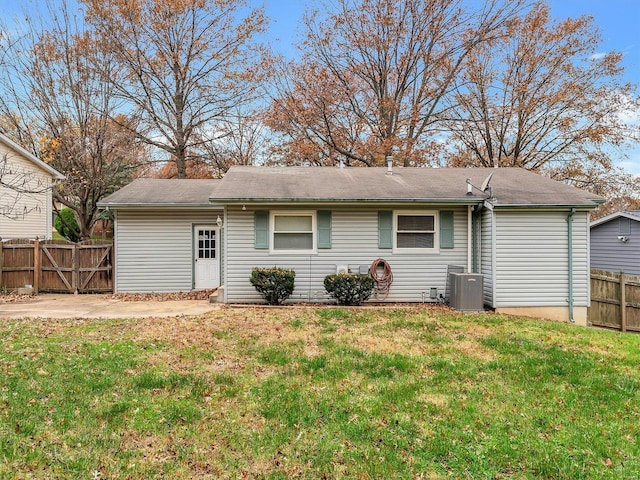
(570, 261)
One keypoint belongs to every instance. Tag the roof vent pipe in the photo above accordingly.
(341, 166)
(389, 165)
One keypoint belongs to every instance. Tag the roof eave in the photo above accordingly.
(116, 205)
(521, 206)
(613, 216)
(32, 158)
(465, 201)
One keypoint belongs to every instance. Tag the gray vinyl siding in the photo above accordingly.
(531, 258)
(609, 253)
(354, 243)
(487, 253)
(154, 249)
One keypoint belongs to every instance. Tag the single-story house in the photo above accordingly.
(526, 234)
(615, 242)
(25, 193)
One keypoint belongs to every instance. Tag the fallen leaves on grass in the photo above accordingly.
(164, 297)
(14, 297)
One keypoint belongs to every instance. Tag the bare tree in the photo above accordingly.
(243, 140)
(541, 98)
(61, 107)
(375, 74)
(185, 65)
(21, 191)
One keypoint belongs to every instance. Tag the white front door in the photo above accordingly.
(206, 261)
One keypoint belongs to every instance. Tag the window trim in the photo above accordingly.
(293, 213)
(422, 213)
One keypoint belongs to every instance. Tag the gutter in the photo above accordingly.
(570, 261)
(590, 206)
(347, 201)
(158, 205)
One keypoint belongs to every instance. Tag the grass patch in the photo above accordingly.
(332, 393)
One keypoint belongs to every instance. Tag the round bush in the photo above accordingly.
(274, 284)
(349, 289)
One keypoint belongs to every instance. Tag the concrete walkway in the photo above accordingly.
(100, 306)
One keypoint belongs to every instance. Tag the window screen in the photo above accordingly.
(415, 231)
(293, 232)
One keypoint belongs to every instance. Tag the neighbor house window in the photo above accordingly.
(624, 226)
(415, 231)
(294, 232)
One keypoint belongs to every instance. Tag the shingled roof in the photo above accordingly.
(163, 192)
(510, 186)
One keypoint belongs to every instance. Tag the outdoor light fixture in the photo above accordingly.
(219, 221)
(623, 238)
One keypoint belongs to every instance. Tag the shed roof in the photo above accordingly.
(510, 186)
(163, 192)
(31, 157)
(630, 214)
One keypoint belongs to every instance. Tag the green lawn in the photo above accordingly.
(327, 393)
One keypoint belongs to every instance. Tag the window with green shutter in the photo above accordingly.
(446, 229)
(324, 229)
(261, 229)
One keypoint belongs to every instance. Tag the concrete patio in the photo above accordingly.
(100, 306)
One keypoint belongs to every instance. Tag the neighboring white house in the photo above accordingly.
(528, 235)
(25, 193)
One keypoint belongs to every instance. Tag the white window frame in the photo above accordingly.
(293, 213)
(421, 213)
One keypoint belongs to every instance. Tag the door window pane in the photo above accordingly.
(206, 244)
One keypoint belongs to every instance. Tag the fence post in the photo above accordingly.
(37, 265)
(623, 303)
(75, 271)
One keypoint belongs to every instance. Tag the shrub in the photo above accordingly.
(274, 284)
(68, 228)
(349, 289)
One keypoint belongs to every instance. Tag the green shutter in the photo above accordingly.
(446, 229)
(261, 228)
(385, 229)
(324, 229)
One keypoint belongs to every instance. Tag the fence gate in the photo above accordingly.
(615, 300)
(57, 266)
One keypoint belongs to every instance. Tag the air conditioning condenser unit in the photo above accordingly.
(467, 291)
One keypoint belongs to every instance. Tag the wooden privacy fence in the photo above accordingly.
(615, 300)
(57, 266)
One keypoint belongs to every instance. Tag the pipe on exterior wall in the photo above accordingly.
(469, 235)
(570, 261)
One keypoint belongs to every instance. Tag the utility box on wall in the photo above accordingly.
(467, 291)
